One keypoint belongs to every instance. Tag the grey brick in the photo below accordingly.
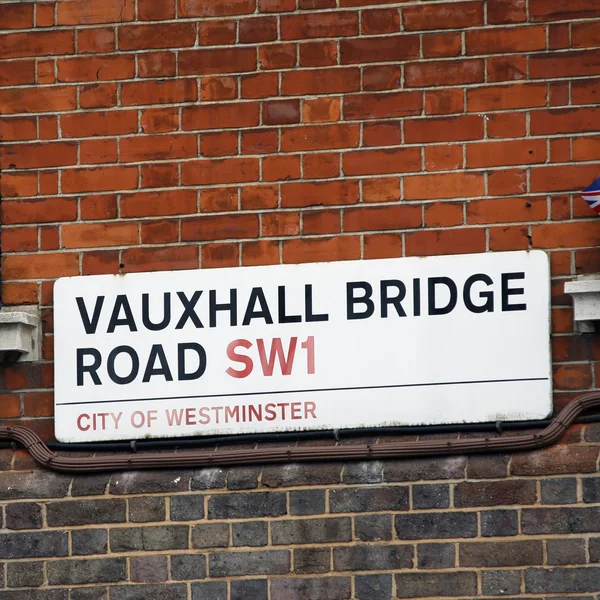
(25, 574)
(33, 545)
(361, 499)
(208, 479)
(148, 569)
(591, 489)
(559, 491)
(91, 570)
(452, 467)
(501, 583)
(85, 512)
(436, 556)
(210, 535)
(89, 593)
(243, 478)
(185, 567)
(32, 485)
(559, 581)
(311, 531)
(322, 588)
(560, 520)
(486, 466)
(594, 546)
(373, 528)
(146, 509)
(89, 541)
(247, 506)
(436, 525)
(420, 585)
(187, 508)
(210, 590)
(431, 496)
(310, 561)
(170, 537)
(301, 474)
(149, 482)
(162, 591)
(501, 554)
(35, 594)
(23, 515)
(89, 485)
(307, 502)
(370, 471)
(566, 552)
(369, 558)
(499, 523)
(257, 562)
(373, 587)
(250, 533)
(244, 589)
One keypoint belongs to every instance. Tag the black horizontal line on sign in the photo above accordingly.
(311, 391)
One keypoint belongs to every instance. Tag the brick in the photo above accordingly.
(220, 116)
(324, 588)
(373, 587)
(278, 56)
(23, 515)
(564, 120)
(557, 580)
(580, 63)
(256, 562)
(85, 12)
(210, 535)
(506, 39)
(141, 592)
(377, 106)
(146, 509)
(436, 525)
(250, 533)
(157, 64)
(372, 499)
(187, 508)
(501, 582)
(159, 92)
(101, 95)
(209, 590)
(496, 523)
(105, 68)
(36, 43)
(307, 502)
(89, 541)
(560, 520)
(296, 195)
(144, 37)
(17, 73)
(381, 78)
(33, 545)
(378, 218)
(556, 461)
(148, 569)
(17, 17)
(31, 594)
(259, 29)
(436, 73)
(437, 45)
(310, 561)
(137, 149)
(386, 133)
(318, 54)
(249, 588)
(467, 127)
(215, 62)
(506, 97)
(311, 531)
(559, 491)
(320, 137)
(436, 556)
(99, 234)
(431, 496)
(89, 485)
(369, 557)
(320, 110)
(315, 25)
(507, 68)
(33, 484)
(40, 155)
(421, 585)
(501, 554)
(506, 11)
(506, 210)
(154, 204)
(425, 468)
(26, 574)
(84, 512)
(249, 505)
(566, 552)
(320, 81)
(368, 50)
(217, 227)
(506, 153)
(591, 489)
(169, 537)
(373, 528)
(444, 102)
(214, 8)
(188, 566)
(373, 162)
(230, 170)
(323, 249)
(494, 493)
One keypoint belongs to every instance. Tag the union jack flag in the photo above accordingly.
(591, 195)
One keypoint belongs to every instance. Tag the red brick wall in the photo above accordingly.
(175, 134)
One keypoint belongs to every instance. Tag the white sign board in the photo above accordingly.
(408, 341)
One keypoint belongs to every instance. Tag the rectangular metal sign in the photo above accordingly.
(408, 341)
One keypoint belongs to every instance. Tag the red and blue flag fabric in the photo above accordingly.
(591, 195)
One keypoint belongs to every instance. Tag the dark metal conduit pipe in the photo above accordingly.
(206, 458)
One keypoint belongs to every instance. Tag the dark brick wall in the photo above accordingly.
(465, 527)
